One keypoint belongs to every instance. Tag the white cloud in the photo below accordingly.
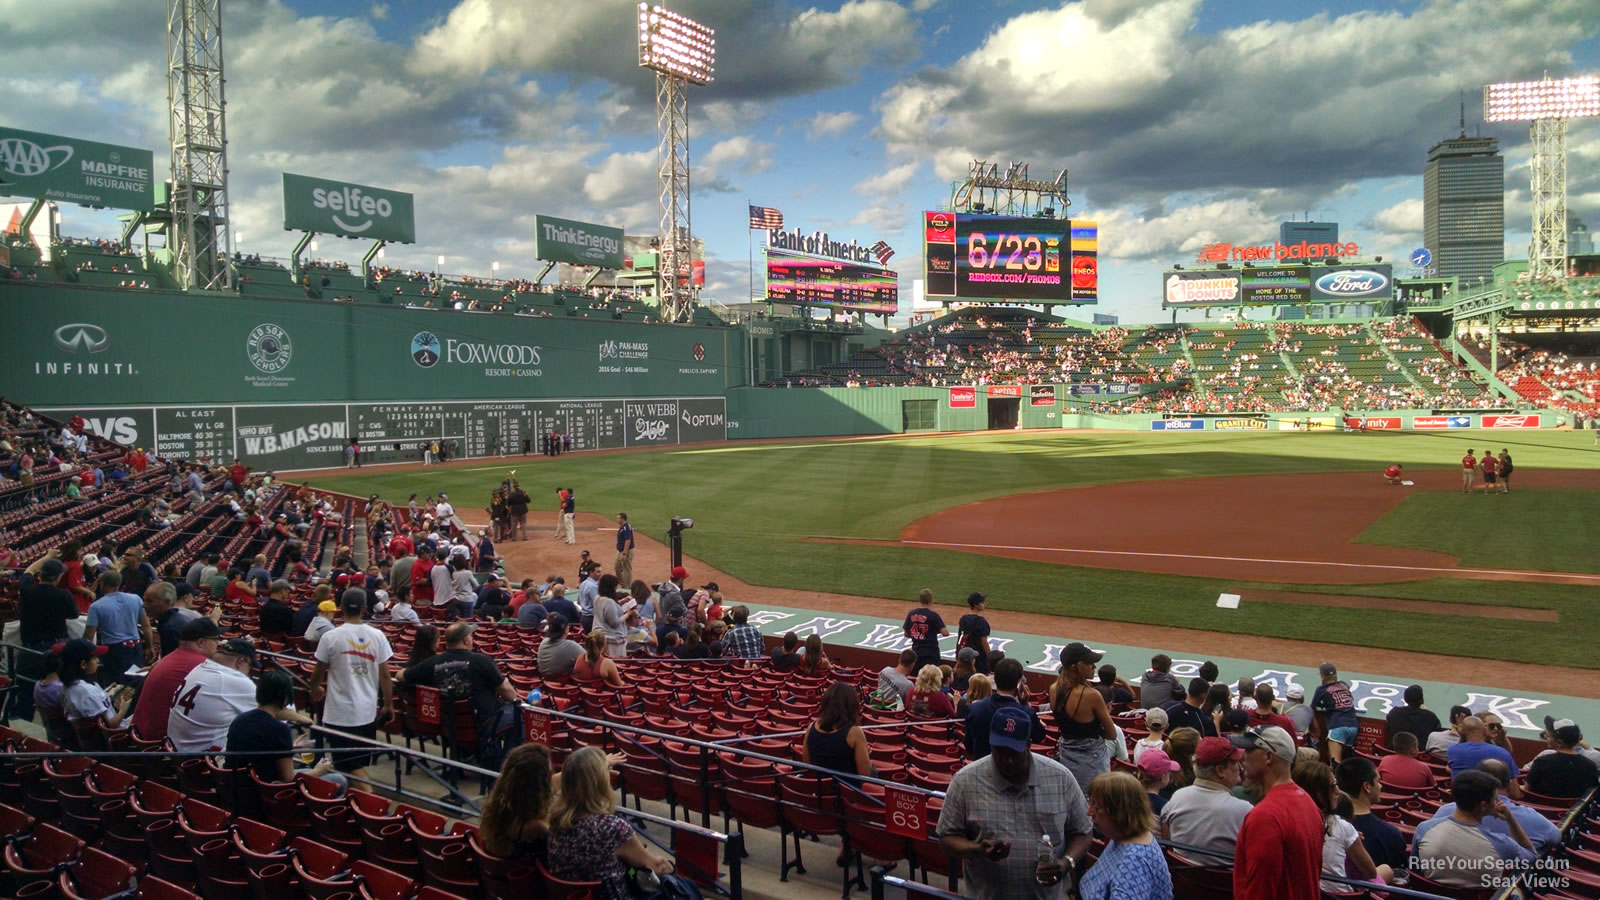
(826, 123)
(882, 219)
(1405, 216)
(379, 11)
(751, 156)
(891, 182)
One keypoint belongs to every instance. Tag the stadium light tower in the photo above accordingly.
(201, 248)
(1547, 104)
(681, 52)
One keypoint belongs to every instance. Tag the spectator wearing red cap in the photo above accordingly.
(1206, 813)
(1279, 853)
(1155, 773)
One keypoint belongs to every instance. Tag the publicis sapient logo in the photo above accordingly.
(25, 158)
(268, 348)
(1352, 283)
(82, 336)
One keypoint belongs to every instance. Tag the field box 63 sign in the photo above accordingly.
(347, 210)
(68, 170)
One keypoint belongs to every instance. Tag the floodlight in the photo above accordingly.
(676, 45)
(1525, 101)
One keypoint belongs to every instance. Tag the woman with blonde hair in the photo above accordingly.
(1131, 867)
(927, 699)
(594, 665)
(513, 820)
(1181, 744)
(588, 840)
(978, 687)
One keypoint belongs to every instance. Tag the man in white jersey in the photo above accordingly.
(439, 577)
(353, 659)
(447, 517)
(212, 695)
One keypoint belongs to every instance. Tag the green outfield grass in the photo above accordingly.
(1526, 529)
(755, 504)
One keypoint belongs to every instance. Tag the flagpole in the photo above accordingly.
(750, 257)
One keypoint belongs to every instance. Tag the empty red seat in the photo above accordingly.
(37, 858)
(95, 875)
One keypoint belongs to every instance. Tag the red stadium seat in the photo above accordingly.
(39, 856)
(152, 888)
(504, 879)
(374, 882)
(95, 875)
(561, 889)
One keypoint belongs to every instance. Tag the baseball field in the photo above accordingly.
(1139, 528)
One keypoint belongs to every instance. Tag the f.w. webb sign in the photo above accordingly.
(347, 210)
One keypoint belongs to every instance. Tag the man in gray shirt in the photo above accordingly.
(894, 682)
(996, 808)
(1206, 814)
(587, 592)
(556, 653)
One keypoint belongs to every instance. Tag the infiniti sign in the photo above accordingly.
(90, 338)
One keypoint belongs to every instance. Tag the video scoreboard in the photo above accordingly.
(815, 281)
(1018, 258)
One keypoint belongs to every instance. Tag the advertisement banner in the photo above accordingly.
(651, 423)
(1510, 421)
(1042, 395)
(1201, 289)
(1352, 283)
(1316, 423)
(1005, 390)
(1276, 284)
(702, 420)
(963, 397)
(347, 210)
(1178, 425)
(1377, 423)
(1080, 390)
(1085, 247)
(1239, 424)
(578, 243)
(291, 437)
(69, 170)
(1426, 422)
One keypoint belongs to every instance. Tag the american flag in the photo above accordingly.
(883, 252)
(765, 218)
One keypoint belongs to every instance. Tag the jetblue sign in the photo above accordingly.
(1178, 425)
(1335, 283)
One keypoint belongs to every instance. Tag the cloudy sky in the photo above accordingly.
(1181, 121)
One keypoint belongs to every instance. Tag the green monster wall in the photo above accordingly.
(287, 383)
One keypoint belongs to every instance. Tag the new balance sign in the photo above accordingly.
(1510, 422)
(347, 210)
(1178, 425)
(67, 170)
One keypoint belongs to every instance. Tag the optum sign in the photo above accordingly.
(347, 210)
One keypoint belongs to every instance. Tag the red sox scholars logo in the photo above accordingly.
(699, 352)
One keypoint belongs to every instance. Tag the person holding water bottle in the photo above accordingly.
(999, 809)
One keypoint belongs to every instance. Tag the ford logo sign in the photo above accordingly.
(1353, 283)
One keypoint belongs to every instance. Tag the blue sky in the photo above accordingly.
(1181, 121)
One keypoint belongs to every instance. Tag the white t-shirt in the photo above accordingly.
(84, 699)
(445, 511)
(1335, 844)
(402, 612)
(1143, 744)
(439, 577)
(211, 697)
(353, 653)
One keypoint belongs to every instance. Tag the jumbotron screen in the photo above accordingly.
(812, 281)
(1019, 258)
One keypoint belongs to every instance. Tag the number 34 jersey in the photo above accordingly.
(207, 702)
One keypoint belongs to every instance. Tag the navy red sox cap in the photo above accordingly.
(1010, 728)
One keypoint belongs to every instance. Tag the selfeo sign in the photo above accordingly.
(67, 170)
(347, 210)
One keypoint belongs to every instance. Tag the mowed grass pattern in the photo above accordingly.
(754, 505)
